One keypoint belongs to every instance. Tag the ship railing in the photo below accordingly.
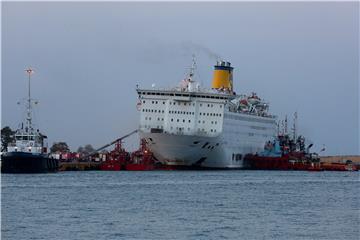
(179, 89)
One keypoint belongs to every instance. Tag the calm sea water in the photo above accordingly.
(181, 205)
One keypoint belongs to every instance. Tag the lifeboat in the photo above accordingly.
(254, 99)
(243, 103)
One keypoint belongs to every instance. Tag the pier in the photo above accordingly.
(79, 166)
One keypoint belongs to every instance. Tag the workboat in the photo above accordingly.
(28, 151)
(285, 152)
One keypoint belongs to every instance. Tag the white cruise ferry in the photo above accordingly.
(192, 127)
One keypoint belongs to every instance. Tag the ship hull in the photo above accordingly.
(256, 162)
(20, 162)
(190, 152)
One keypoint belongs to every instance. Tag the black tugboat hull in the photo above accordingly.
(20, 162)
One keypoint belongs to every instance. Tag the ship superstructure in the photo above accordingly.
(192, 126)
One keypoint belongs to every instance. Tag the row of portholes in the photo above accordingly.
(148, 127)
(203, 130)
(181, 112)
(179, 103)
(154, 102)
(152, 110)
(211, 114)
(212, 122)
(159, 119)
(185, 104)
(178, 120)
(179, 128)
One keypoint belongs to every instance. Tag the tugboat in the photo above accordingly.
(142, 159)
(116, 159)
(28, 152)
(285, 153)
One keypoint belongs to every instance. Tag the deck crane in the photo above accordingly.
(109, 144)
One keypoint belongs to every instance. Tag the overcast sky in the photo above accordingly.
(88, 58)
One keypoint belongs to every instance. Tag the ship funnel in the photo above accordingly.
(223, 76)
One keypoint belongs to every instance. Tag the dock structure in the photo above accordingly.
(340, 159)
(79, 166)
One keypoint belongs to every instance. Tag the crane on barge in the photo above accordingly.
(118, 140)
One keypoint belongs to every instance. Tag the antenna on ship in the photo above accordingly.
(192, 68)
(295, 126)
(29, 71)
(286, 126)
(278, 127)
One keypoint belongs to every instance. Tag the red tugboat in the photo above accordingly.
(282, 154)
(141, 160)
(285, 153)
(116, 159)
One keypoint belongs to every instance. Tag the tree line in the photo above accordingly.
(8, 136)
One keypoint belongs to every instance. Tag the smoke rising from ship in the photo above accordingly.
(195, 47)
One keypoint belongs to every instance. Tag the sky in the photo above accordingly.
(89, 56)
